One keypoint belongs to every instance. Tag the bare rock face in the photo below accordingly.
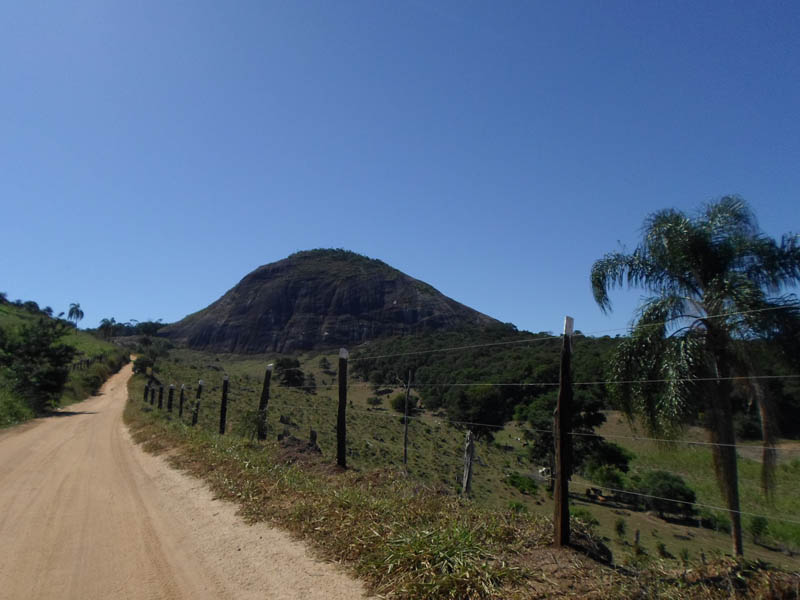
(320, 298)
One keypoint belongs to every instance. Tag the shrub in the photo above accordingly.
(715, 521)
(668, 493)
(399, 403)
(583, 515)
(607, 476)
(141, 364)
(525, 484)
(661, 548)
(758, 527)
(517, 507)
(374, 401)
(683, 553)
(12, 409)
(621, 528)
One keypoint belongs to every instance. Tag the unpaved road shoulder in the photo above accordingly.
(86, 514)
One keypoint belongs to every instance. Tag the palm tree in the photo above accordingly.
(75, 313)
(107, 327)
(714, 283)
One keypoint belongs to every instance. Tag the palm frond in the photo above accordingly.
(729, 216)
(611, 272)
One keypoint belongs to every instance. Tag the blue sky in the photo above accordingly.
(153, 153)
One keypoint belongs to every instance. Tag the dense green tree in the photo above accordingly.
(31, 307)
(289, 372)
(148, 327)
(590, 451)
(667, 493)
(150, 350)
(714, 281)
(36, 362)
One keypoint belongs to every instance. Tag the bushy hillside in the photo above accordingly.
(45, 362)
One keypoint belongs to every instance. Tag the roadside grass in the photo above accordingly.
(502, 471)
(408, 538)
(12, 409)
(400, 537)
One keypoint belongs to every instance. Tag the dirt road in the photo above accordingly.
(84, 513)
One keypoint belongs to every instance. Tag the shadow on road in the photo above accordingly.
(69, 413)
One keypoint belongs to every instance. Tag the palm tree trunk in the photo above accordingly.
(720, 425)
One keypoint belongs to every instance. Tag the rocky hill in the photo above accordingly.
(320, 298)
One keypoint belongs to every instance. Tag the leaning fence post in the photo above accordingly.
(405, 421)
(341, 423)
(469, 453)
(196, 410)
(223, 407)
(160, 396)
(263, 403)
(170, 396)
(562, 420)
(180, 401)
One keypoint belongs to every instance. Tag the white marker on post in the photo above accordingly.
(569, 324)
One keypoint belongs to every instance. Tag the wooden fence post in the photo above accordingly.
(146, 390)
(263, 403)
(160, 396)
(196, 411)
(223, 407)
(152, 395)
(405, 421)
(562, 423)
(170, 397)
(182, 398)
(341, 423)
(469, 454)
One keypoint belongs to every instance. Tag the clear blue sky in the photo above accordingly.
(153, 153)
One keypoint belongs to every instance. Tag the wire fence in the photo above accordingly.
(323, 416)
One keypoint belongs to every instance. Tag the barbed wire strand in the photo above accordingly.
(694, 476)
(575, 433)
(687, 442)
(709, 506)
(557, 337)
(454, 348)
(696, 318)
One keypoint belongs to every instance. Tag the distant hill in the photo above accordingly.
(320, 298)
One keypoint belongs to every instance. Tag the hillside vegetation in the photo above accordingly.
(506, 473)
(45, 362)
(407, 532)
